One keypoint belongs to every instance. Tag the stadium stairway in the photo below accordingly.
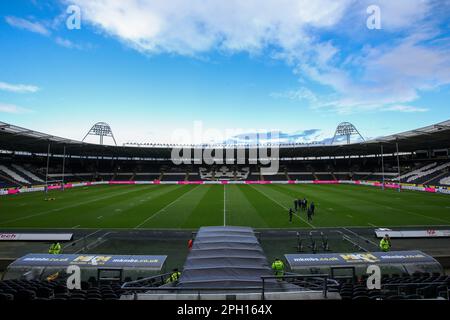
(224, 257)
(231, 257)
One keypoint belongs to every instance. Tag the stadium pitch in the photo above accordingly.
(193, 206)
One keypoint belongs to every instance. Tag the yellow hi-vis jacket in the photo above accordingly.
(55, 248)
(385, 245)
(278, 267)
(174, 277)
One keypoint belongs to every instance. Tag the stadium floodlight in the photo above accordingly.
(101, 129)
(346, 129)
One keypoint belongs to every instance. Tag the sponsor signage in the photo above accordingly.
(347, 259)
(196, 182)
(36, 236)
(154, 262)
(429, 233)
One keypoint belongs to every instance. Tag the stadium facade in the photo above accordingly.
(226, 261)
(417, 159)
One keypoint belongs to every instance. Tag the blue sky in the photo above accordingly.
(154, 69)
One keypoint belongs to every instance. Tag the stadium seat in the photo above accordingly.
(361, 297)
(25, 295)
(413, 297)
(44, 292)
(6, 297)
(395, 297)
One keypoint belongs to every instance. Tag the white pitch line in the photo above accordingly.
(371, 224)
(74, 227)
(283, 206)
(163, 209)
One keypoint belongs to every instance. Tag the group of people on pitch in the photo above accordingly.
(302, 205)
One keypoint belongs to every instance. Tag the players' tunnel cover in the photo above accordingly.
(225, 257)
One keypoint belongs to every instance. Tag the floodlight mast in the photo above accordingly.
(346, 129)
(101, 129)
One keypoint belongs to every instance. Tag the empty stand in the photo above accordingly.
(27, 173)
(13, 175)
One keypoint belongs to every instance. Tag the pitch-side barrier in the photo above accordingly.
(403, 186)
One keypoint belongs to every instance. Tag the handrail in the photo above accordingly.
(162, 277)
(323, 285)
(323, 277)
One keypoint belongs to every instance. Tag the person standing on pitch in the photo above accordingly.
(291, 213)
(305, 204)
(296, 204)
(313, 207)
(309, 214)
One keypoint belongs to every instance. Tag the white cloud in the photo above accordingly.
(196, 26)
(375, 77)
(403, 108)
(18, 88)
(390, 75)
(302, 93)
(66, 43)
(399, 14)
(13, 109)
(21, 23)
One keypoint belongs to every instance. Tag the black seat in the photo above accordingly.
(25, 295)
(361, 297)
(60, 289)
(6, 297)
(85, 285)
(413, 297)
(94, 298)
(44, 292)
(395, 297)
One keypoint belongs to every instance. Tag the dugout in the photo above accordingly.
(355, 264)
(99, 267)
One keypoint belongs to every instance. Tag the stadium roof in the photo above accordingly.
(15, 138)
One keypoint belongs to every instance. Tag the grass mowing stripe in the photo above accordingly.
(242, 209)
(69, 206)
(208, 209)
(330, 211)
(183, 213)
(258, 206)
(35, 202)
(380, 201)
(224, 208)
(129, 211)
(283, 206)
(161, 210)
(371, 202)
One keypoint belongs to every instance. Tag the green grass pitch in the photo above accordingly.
(192, 206)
